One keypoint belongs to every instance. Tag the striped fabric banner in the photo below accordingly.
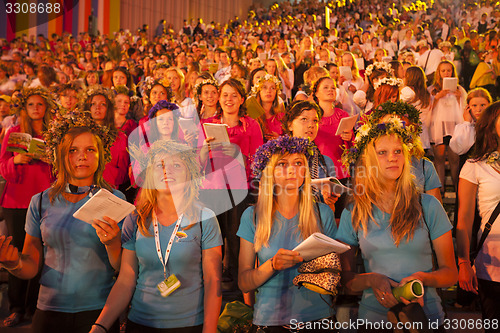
(33, 21)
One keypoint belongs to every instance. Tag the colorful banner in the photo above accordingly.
(46, 17)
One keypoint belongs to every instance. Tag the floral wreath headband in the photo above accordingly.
(391, 81)
(207, 82)
(148, 84)
(186, 154)
(96, 90)
(163, 104)
(385, 66)
(266, 78)
(63, 123)
(372, 131)
(398, 109)
(19, 103)
(124, 90)
(282, 145)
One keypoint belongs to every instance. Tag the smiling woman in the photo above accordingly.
(54, 237)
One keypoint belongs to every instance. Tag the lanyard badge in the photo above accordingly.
(171, 283)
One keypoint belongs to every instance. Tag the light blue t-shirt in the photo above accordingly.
(278, 300)
(76, 273)
(184, 307)
(381, 255)
(426, 177)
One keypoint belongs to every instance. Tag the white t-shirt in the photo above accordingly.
(488, 180)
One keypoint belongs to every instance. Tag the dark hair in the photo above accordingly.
(251, 75)
(487, 139)
(295, 110)
(315, 87)
(109, 120)
(125, 71)
(154, 134)
(236, 84)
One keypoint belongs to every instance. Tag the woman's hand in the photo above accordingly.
(230, 149)
(205, 149)
(341, 80)
(190, 138)
(467, 278)
(467, 114)
(382, 289)
(107, 231)
(22, 158)
(352, 88)
(329, 197)
(284, 259)
(346, 135)
(441, 94)
(9, 255)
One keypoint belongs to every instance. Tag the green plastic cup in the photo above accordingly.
(410, 291)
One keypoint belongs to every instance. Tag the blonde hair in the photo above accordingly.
(181, 93)
(369, 191)
(147, 199)
(266, 206)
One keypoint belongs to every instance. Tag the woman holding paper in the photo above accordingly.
(393, 224)
(227, 171)
(447, 111)
(330, 144)
(77, 260)
(99, 101)
(302, 120)
(25, 176)
(284, 216)
(167, 208)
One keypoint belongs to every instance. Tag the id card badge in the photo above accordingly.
(168, 286)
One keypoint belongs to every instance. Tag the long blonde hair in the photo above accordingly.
(369, 190)
(147, 200)
(266, 206)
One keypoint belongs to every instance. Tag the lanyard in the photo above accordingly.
(170, 242)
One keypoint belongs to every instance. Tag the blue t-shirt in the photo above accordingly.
(184, 307)
(426, 177)
(381, 255)
(278, 300)
(76, 273)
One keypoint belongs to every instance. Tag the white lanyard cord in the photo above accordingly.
(170, 242)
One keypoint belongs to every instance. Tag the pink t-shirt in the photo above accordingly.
(330, 144)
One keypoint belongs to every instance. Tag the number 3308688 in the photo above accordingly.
(32, 8)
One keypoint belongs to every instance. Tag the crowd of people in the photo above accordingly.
(215, 133)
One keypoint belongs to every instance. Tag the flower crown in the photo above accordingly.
(391, 81)
(163, 104)
(197, 88)
(186, 154)
(399, 109)
(95, 90)
(63, 123)
(19, 103)
(260, 84)
(285, 144)
(372, 131)
(385, 66)
(150, 82)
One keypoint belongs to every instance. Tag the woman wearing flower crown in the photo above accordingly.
(394, 226)
(167, 208)
(26, 174)
(77, 260)
(267, 91)
(101, 105)
(125, 100)
(153, 92)
(207, 95)
(479, 182)
(284, 216)
(386, 90)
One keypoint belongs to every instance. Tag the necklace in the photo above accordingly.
(494, 160)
